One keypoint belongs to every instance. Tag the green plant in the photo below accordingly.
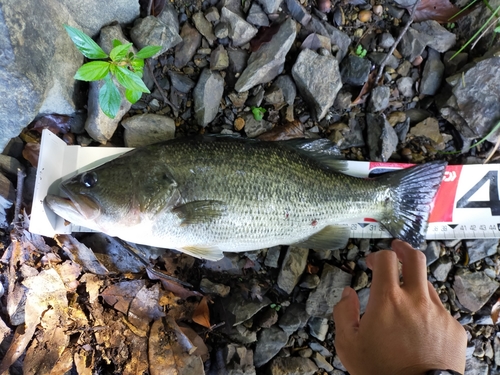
(275, 306)
(360, 51)
(258, 113)
(125, 66)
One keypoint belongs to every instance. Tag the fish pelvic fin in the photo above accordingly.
(203, 252)
(412, 191)
(331, 237)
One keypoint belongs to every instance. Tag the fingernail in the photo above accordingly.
(346, 292)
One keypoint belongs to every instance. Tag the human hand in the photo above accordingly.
(405, 329)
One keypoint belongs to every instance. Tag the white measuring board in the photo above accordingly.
(467, 204)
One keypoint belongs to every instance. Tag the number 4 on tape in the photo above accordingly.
(493, 204)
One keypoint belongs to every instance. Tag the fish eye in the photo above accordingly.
(89, 179)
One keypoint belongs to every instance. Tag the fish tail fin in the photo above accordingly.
(412, 191)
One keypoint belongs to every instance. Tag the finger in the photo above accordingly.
(414, 266)
(385, 274)
(346, 313)
(434, 295)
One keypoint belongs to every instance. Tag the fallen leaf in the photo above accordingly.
(31, 152)
(201, 348)
(120, 295)
(64, 364)
(201, 314)
(495, 311)
(4, 330)
(367, 87)
(438, 10)
(80, 254)
(69, 272)
(83, 362)
(144, 308)
(57, 124)
(172, 286)
(291, 130)
(264, 35)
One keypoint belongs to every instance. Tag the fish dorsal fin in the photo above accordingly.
(321, 150)
(198, 212)
(331, 237)
(211, 253)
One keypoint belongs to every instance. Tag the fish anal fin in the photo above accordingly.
(332, 237)
(198, 212)
(203, 252)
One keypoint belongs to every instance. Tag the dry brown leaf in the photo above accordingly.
(4, 330)
(57, 124)
(92, 284)
(18, 345)
(145, 307)
(120, 295)
(83, 362)
(80, 254)
(201, 348)
(367, 87)
(69, 272)
(290, 130)
(201, 314)
(495, 311)
(437, 10)
(172, 286)
(31, 152)
(64, 364)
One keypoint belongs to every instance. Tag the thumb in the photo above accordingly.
(346, 313)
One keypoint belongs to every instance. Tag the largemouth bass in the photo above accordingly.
(208, 195)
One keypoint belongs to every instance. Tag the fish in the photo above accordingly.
(208, 195)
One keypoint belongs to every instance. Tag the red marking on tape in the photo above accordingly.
(369, 220)
(379, 164)
(442, 210)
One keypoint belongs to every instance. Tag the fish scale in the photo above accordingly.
(207, 195)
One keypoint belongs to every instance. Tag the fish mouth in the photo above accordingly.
(76, 208)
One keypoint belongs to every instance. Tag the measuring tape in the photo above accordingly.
(467, 204)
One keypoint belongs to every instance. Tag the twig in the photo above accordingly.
(391, 51)
(492, 24)
(163, 95)
(19, 195)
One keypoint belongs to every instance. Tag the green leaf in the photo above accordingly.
(116, 43)
(132, 96)
(109, 98)
(137, 63)
(129, 80)
(258, 113)
(85, 44)
(92, 71)
(148, 51)
(497, 29)
(119, 52)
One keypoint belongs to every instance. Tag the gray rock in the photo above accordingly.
(382, 138)
(378, 57)
(339, 39)
(204, 27)
(310, 282)
(254, 128)
(99, 126)
(207, 96)
(439, 39)
(146, 129)
(429, 128)
(212, 14)
(404, 68)
(243, 309)
(480, 249)
(413, 44)
(496, 346)
(9, 165)
(240, 31)
(231, 263)
(294, 318)
(318, 327)
(318, 80)
(206, 286)
(268, 61)
(221, 30)
(256, 16)
(405, 3)
(379, 98)
(292, 268)
(242, 334)
(405, 86)
(270, 342)
(322, 363)
(150, 31)
(320, 302)
(270, 6)
(7, 197)
(320, 349)
(298, 12)
(355, 70)
(442, 268)
(432, 252)
(181, 82)
(238, 360)
(170, 17)
(432, 74)
(455, 64)
(191, 40)
(386, 40)
(292, 366)
(338, 364)
(475, 100)
(267, 318)
(219, 59)
(272, 257)
(473, 289)
(475, 366)
(287, 86)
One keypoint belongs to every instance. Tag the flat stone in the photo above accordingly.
(243, 309)
(256, 16)
(320, 349)
(99, 126)
(243, 335)
(170, 17)
(184, 51)
(455, 64)
(212, 14)
(405, 86)
(294, 318)
(267, 318)
(272, 257)
(480, 249)
(298, 12)
(219, 59)
(270, 6)
(207, 96)
(310, 282)
(268, 61)
(339, 39)
(221, 30)
(442, 268)
(318, 81)
(238, 360)
(413, 44)
(378, 57)
(254, 128)
(292, 268)
(439, 39)
(318, 327)
(206, 286)
(287, 86)
(355, 70)
(292, 366)
(146, 129)
(432, 75)
(151, 31)
(432, 252)
(322, 363)
(270, 342)
(386, 40)
(473, 289)
(240, 31)
(429, 128)
(382, 138)
(204, 27)
(476, 366)
(9, 165)
(379, 98)
(181, 82)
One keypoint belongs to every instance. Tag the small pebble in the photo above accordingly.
(365, 15)
(239, 123)
(378, 9)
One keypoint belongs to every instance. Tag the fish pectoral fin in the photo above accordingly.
(329, 238)
(203, 252)
(199, 212)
